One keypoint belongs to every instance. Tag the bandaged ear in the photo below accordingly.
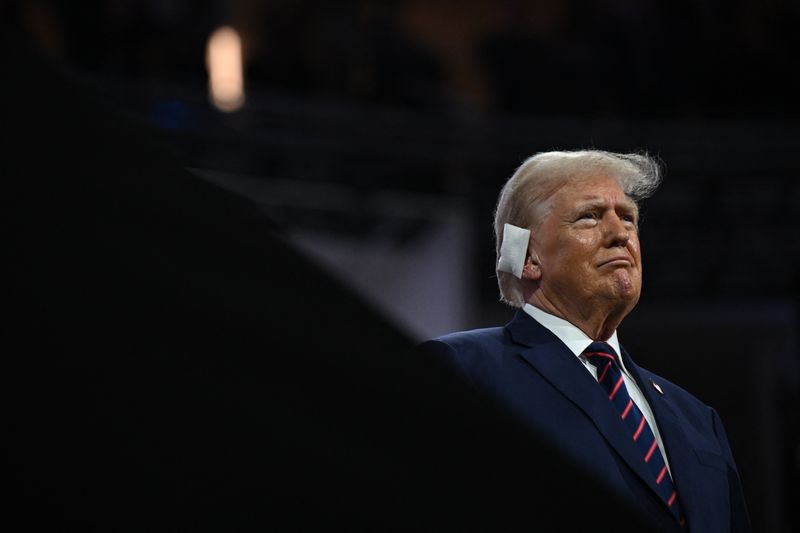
(513, 250)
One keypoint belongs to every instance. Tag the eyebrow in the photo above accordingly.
(599, 202)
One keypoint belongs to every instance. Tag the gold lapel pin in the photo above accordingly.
(657, 387)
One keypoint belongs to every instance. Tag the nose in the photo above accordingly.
(617, 233)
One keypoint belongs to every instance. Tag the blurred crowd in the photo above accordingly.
(556, 57)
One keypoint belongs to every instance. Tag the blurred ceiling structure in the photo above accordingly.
(446, 98)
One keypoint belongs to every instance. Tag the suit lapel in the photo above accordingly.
(559, 366)
(684, 465)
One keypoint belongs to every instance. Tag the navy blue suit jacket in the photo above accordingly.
(529, 371)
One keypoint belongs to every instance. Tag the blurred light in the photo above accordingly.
(224, 64)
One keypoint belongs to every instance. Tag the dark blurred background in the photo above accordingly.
(377, 134)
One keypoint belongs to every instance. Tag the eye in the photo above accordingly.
(587, 216)
(629, 218)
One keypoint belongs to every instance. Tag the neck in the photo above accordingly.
(596, 320)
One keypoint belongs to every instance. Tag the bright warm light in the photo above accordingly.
(224, 64)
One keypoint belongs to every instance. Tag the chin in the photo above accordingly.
(626, 285)
(625, 292)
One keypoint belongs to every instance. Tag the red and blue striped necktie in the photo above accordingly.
(603, 357)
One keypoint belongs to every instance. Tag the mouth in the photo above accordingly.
(617, 262)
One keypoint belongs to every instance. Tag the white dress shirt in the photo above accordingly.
(577, 341)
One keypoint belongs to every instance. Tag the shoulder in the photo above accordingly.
(470, 353)
(472, 340)
(468, 345)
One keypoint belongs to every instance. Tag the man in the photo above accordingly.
(568, 257)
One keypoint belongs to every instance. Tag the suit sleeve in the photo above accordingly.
(740, 519)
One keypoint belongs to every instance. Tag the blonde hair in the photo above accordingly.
(523, 199)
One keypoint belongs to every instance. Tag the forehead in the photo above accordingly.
(592, 189)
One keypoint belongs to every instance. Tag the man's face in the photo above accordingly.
(587, 248)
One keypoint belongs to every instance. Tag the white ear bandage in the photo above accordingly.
(513, 250)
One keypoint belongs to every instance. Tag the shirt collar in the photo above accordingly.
(575, 339)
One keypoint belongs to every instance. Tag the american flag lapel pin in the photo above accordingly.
(657, 387)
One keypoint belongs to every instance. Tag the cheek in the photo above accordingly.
(633, 246)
